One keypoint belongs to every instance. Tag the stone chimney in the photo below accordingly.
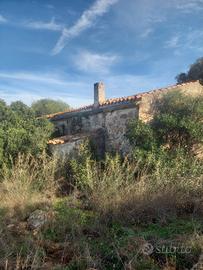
(99, 93)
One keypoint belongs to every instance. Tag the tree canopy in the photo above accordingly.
(21, 131)
(195, 72)
(177, 123)
(48, 106)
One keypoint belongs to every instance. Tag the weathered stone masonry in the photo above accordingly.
(105, 121)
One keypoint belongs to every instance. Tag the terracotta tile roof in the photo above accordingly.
(67, 138)
(119, 100)
(59, 140)
(90, 107)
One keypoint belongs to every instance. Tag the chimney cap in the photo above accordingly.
(99, 82)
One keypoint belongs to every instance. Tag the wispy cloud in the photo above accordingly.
(189, 6)
(75, 91)
(3, 19)
(30, 86)
(94, 63)
(146, 32)
(192, 39)
(12, 94)
(85, 21)
(46, 78)
(173, 42)
(40, 25)
(49, 6)
(36, 25)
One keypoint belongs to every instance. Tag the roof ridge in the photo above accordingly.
(112, 101)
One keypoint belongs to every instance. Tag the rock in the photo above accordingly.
(11, 226)
(19, 228)
(58, 253)
(37, 219)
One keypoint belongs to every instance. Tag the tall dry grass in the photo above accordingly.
(28, 182)
(117, 190)
(127, 191)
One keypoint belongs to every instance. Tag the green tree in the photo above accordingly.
(177, 124)
(48, 106)
(21, 109)
(21, 131)
(195, 72)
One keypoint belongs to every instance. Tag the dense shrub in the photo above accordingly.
(30, 180)
(162, 179)
(176, 127)
(48, 106)
(161, 187)
(114, 206)
(21, 131)
(195, 72)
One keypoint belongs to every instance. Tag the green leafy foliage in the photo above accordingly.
(195, 72)
(177, 123)
(178, 120)
(82, 168)
(21, 131)
(144, 135)
(48, 106)
(165, 146)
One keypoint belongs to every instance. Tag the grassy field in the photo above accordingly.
(114, 215)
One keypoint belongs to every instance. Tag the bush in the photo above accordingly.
(49, 106)
(173, 133)
(178, 120)
(29, 182)
(154, 185)
(81, 168)
(161, 180)
(21, 132)
(177, 123)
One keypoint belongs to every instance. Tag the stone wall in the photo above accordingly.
(112, 121)
(148, 99)
(107, 124)
(69, 147)
(115, 125)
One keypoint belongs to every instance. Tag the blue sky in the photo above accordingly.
(59, 48)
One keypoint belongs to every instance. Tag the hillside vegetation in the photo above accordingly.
(142, 211)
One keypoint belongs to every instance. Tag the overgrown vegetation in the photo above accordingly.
(21, 132)
(138, 212)
(48, 106)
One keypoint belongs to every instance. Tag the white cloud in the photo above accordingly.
(94, 63)
(40, 25)
(49, 6)
(24, 95)
(76, 91)
(32, 86)
(85, 21)
(37, 25)
(173, 42)
(26, 76)
(18, 94)
(3, 19)
(140, 18)
(189, 6)
(191, 40)
(146, 32)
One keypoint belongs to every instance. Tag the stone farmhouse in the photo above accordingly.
(105, 121)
